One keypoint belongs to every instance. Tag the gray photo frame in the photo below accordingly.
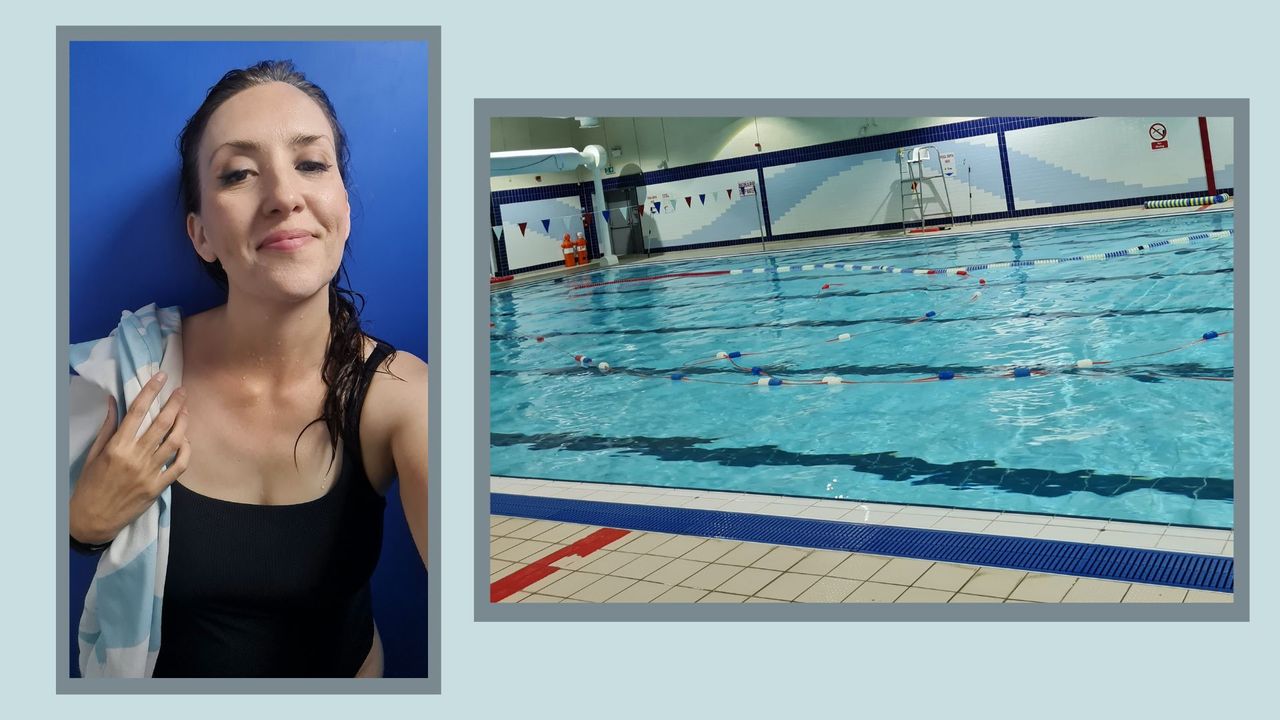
(68, 685)
(1238, 109)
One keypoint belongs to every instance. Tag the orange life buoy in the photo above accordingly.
(566, 246)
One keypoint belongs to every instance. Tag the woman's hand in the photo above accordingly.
(123, 472)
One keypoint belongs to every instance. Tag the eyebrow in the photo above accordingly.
(299, 140)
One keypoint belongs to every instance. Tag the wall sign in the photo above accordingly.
(1158, 132)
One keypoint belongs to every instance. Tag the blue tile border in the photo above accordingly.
(764, 204)
(1004, 171)
(1140, 565)
(758, 162)
(897, 226)
(542, 192)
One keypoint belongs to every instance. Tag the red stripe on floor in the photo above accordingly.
(543, 567)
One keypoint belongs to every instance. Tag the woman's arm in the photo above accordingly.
(409, 444)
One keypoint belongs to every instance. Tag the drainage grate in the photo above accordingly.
(1140, 565)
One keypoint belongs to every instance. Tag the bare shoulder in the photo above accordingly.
(394, 413)
(398, 391)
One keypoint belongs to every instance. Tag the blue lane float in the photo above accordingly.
(1188, 202)
(765, 379)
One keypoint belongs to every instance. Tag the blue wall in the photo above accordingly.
(128, 102)
(1061, 164)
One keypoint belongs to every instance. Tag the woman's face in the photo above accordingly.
(273, 208)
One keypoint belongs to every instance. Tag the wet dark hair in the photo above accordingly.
(344, 353)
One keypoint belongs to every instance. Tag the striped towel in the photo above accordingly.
(120, 627)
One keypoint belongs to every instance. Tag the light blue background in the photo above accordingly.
(536, 670)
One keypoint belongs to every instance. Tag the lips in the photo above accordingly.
(285, 240)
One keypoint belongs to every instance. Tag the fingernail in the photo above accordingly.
(180, 392)
(161, 376)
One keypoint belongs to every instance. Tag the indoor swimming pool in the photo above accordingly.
(1093, 384)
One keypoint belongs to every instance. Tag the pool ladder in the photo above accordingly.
(912, 174)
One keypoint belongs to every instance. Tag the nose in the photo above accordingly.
(280, 193)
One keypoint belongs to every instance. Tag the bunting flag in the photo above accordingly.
(654, 207)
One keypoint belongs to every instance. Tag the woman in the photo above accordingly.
(290, 424)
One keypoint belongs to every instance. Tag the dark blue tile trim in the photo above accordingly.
(984, 126)
(586, 199)
(543, 192)
(853, 146)
(1004, 171)
(531, 268)
(1158, 567)
(1105, 204)
(499, 244)
(764, 204)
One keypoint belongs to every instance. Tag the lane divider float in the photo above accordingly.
(962, 270)
(1203, 200)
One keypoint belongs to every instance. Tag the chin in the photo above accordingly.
(293, 286)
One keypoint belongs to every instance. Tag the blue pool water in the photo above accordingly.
(1147, 439)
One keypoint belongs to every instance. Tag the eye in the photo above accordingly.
(231, 177)
(313, 166)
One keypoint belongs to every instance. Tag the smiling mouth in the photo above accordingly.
(285, 241)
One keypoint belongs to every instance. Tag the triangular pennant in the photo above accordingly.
(523, 225)
(606, 216)
(730, 191)
(640, 208)
(688, 200)
(497, 230)
(546, 225)
(702, 198)
(657, 207)
(567, 226)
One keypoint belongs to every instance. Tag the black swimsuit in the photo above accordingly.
(275, 590)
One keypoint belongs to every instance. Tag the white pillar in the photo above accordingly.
(594, 157)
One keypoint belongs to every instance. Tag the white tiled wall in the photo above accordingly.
(1109, 158)
(538, 245)
(716, 219)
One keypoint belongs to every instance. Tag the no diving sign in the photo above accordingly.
(1158, 133)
